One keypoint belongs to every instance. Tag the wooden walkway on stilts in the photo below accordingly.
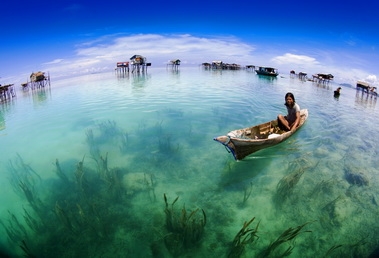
(6, 92)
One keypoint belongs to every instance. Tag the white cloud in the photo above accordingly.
(158, 49)
(289, 58)
(101, 55)
(371, 78)
(56, 61)
(299, 63)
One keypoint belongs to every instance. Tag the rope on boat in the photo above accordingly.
(227, 141)
(228, 149)
(226, 144)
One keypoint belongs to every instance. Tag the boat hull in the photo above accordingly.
(243, 142)
(266, 73)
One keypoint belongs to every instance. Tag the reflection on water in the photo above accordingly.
(2, 121)
(365, 99)
(5, 109)
(41, 95)
(174, 71)
(121, 75)
(139, 79)
(323, 85)
(108, 172)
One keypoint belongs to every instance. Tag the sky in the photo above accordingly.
(69, 38)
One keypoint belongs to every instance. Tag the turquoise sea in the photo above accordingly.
(125, 165)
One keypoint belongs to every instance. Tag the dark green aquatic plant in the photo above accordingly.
(166, 147)
(23, 178)
(113, 179)
(246, 193)
(186, 228)
(150, 185)
(323, 187)
(26, 249)
(356, 249)
(158, 128)
(34, 224)
(64, 218)
(173, 113)
(287, 236)
(90, 137)
(93, 145)
(286, 185)
(331, 250)
(103, 165)
(124, 143)
(244, 237)
(60, 172)
(81, 182)
(28, 192)
(108, 130)
(79, 210)
(15, 230)
(330, 211)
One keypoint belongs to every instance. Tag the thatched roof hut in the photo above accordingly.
(138, 59)
(175, 62)
(38, 76)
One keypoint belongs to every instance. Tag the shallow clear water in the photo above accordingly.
(142, 136)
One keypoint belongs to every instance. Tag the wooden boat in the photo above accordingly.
(243, 142)
(266, 71)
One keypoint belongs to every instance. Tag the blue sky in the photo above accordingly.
(74, 37)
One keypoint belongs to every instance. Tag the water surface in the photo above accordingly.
(86, 164)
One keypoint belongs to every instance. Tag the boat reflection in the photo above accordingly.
(266, 78)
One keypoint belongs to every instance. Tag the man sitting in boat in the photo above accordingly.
(337, 92)
(373, 91)
(292, 119)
